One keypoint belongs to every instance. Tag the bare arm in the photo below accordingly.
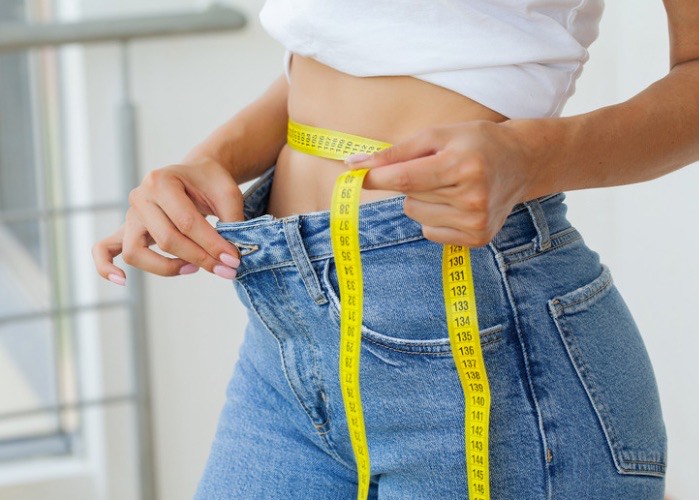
(650, 135)
(462, 180)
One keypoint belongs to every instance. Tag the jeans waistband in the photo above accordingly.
(266, 242)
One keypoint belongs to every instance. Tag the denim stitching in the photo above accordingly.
(563, 238)
(266, 175)
(557, 309)
(580, 365)
(313, 375)
(407, 239)
(526, 249)
(439, 348)
(586, 293)
(571, 236)
(327, 437)
(484, 343)
(512, 256)
(502, 266)
(282, 352)
(314, 258)
(303, 264)
(536, 212)
(320, 383)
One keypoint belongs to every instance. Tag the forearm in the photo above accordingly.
(249, 143)
(650, 135)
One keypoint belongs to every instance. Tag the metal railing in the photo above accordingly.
(21, 37)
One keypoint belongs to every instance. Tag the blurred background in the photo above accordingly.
(113, 393)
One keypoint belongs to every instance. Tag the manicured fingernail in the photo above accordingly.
(357, 157)
(189, 269)
(225, 272)
(229, 260)
(115, 278)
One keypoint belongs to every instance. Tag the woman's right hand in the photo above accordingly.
(168, 209)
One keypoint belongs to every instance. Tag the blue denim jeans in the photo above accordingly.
(575, 408)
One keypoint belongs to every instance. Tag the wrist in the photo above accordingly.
(542, 147)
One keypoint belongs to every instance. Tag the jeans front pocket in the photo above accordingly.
(606, 349)
(403, 299)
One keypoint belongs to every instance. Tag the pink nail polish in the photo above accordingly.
(357, 157)
(189, 269)
(225, 272)
(229, 260)
(115, 278)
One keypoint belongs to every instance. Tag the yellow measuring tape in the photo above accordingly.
(459, 303)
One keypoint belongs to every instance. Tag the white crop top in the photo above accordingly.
(518, 57)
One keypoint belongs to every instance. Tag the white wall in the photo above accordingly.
(646, 233)
(183, 87)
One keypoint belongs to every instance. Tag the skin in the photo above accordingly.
(462, 166)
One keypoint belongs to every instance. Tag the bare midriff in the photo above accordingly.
(385, 108)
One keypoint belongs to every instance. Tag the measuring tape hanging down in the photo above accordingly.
(459, 303)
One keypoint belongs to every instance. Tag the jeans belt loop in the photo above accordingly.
(301, 259)
(543, 237)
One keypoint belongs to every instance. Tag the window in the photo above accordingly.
(67, 383)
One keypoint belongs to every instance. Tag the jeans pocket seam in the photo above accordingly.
(438, 347)
(638, 462)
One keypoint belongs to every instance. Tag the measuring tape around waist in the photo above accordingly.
(459, 304)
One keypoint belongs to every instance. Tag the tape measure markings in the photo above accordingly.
(459, 303)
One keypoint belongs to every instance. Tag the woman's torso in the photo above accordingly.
(386, 108)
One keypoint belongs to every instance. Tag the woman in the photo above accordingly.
(480, 158)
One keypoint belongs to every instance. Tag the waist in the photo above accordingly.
(265, 241)
(388, 109)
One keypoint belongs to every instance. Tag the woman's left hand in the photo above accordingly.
(461, 180)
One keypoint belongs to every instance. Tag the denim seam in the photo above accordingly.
(557, 312)
(502, 266)
(282, 352)
(407, 239)
(282, 355)
(563, 238)
(543, 237)
(313, 258)
(325, 436)
(303, 263)
(234, 226)
(313, 375)
(586, 293)
(441, 348)
(256, 185)
(571, 235)
(442, 354)
(553, 310)
(526, 249)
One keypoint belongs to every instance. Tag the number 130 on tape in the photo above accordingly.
(462, 323)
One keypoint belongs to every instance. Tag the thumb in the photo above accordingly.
(416, 146)
(227, 203)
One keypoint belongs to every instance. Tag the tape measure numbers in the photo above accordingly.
(464, 337)
(459, 304)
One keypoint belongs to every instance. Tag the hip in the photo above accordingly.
(573, 390)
